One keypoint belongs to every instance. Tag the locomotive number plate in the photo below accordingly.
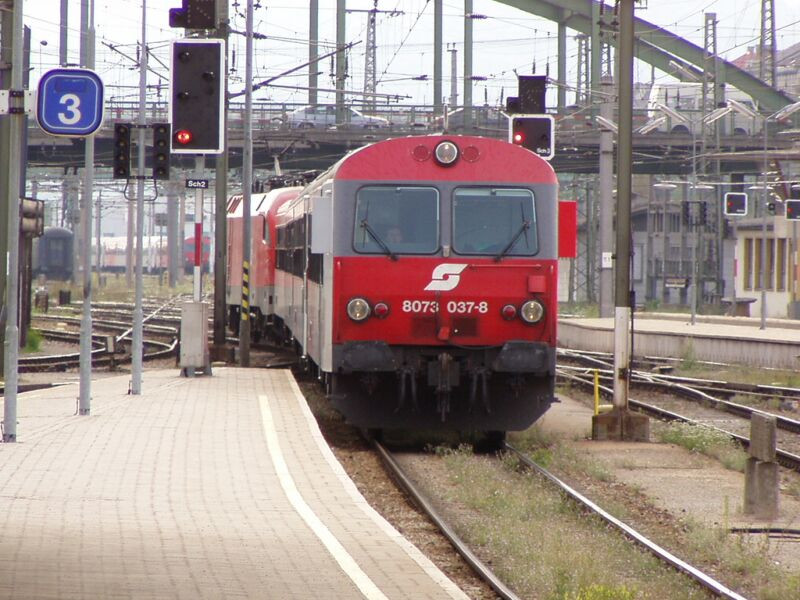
(454, 307)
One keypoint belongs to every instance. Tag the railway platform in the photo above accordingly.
(737, 340)
(210, 487)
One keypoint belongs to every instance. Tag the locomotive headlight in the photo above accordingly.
(358, 309)
(446, 153)
(532, 311)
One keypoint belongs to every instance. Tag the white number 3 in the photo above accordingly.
(71, 115)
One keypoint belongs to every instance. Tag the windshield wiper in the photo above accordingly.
(522, 229)
(378, 240)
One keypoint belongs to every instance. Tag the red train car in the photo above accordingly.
(419, 276)
(263, 208)
(189, 254)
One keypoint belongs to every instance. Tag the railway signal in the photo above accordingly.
(161, 137)
(197, 113)
(194, 14)
(122, 151)
(534, 132)
(31, 217)
(735, 204)
(793, 210)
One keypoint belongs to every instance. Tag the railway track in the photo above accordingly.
(394, 468)
(660, 366)
(101, 354)
(787, 458)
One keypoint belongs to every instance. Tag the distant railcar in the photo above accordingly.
(189, 254)
(53, 254)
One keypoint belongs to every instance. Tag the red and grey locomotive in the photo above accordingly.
(419, 276)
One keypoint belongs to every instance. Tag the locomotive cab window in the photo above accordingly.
(396, 219)
(494, 221)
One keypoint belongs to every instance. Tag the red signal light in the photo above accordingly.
(184, 136)
(518, 138)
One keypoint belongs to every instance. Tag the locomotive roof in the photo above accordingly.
(393, 160)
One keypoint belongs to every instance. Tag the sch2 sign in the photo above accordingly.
(70, 102)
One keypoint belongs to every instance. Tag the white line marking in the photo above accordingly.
(338, 552)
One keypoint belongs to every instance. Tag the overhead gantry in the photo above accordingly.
(653, 44)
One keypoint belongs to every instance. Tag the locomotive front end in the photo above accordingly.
(444, 293)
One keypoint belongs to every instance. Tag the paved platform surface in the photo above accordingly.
(722, 327)
(730, 340)
(208, 487)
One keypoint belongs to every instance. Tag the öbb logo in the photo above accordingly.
(445, 277)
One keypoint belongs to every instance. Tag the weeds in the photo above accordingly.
(542, 544)
(688, 356)
(33, 341)
(704, 440)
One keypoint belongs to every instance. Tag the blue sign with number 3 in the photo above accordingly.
(70, 102)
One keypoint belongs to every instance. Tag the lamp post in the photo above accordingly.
(777, 116)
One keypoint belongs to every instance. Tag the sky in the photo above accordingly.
(507, 41)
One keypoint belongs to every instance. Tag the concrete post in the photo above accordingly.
(761, 489)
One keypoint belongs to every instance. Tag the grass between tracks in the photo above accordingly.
(115, 288)
(541, 544)
(705, 440)
(544, 546)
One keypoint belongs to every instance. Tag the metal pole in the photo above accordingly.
(87, 53)
(437, 57)
(340, 59)
(562, 63)
(137, 348)
(130, 246)
(247, 189)
(606, 202)
(98, 237)
(221, 199)
(11, 341)
(693, 225)
(596, 47)
(622, 307)
(765, 199)
(467, 64)
(6, 54)
(173, 239)
(199, 167)
(313, 51)
(62, 40)
(453, 77)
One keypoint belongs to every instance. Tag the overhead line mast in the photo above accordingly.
(370, 60)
